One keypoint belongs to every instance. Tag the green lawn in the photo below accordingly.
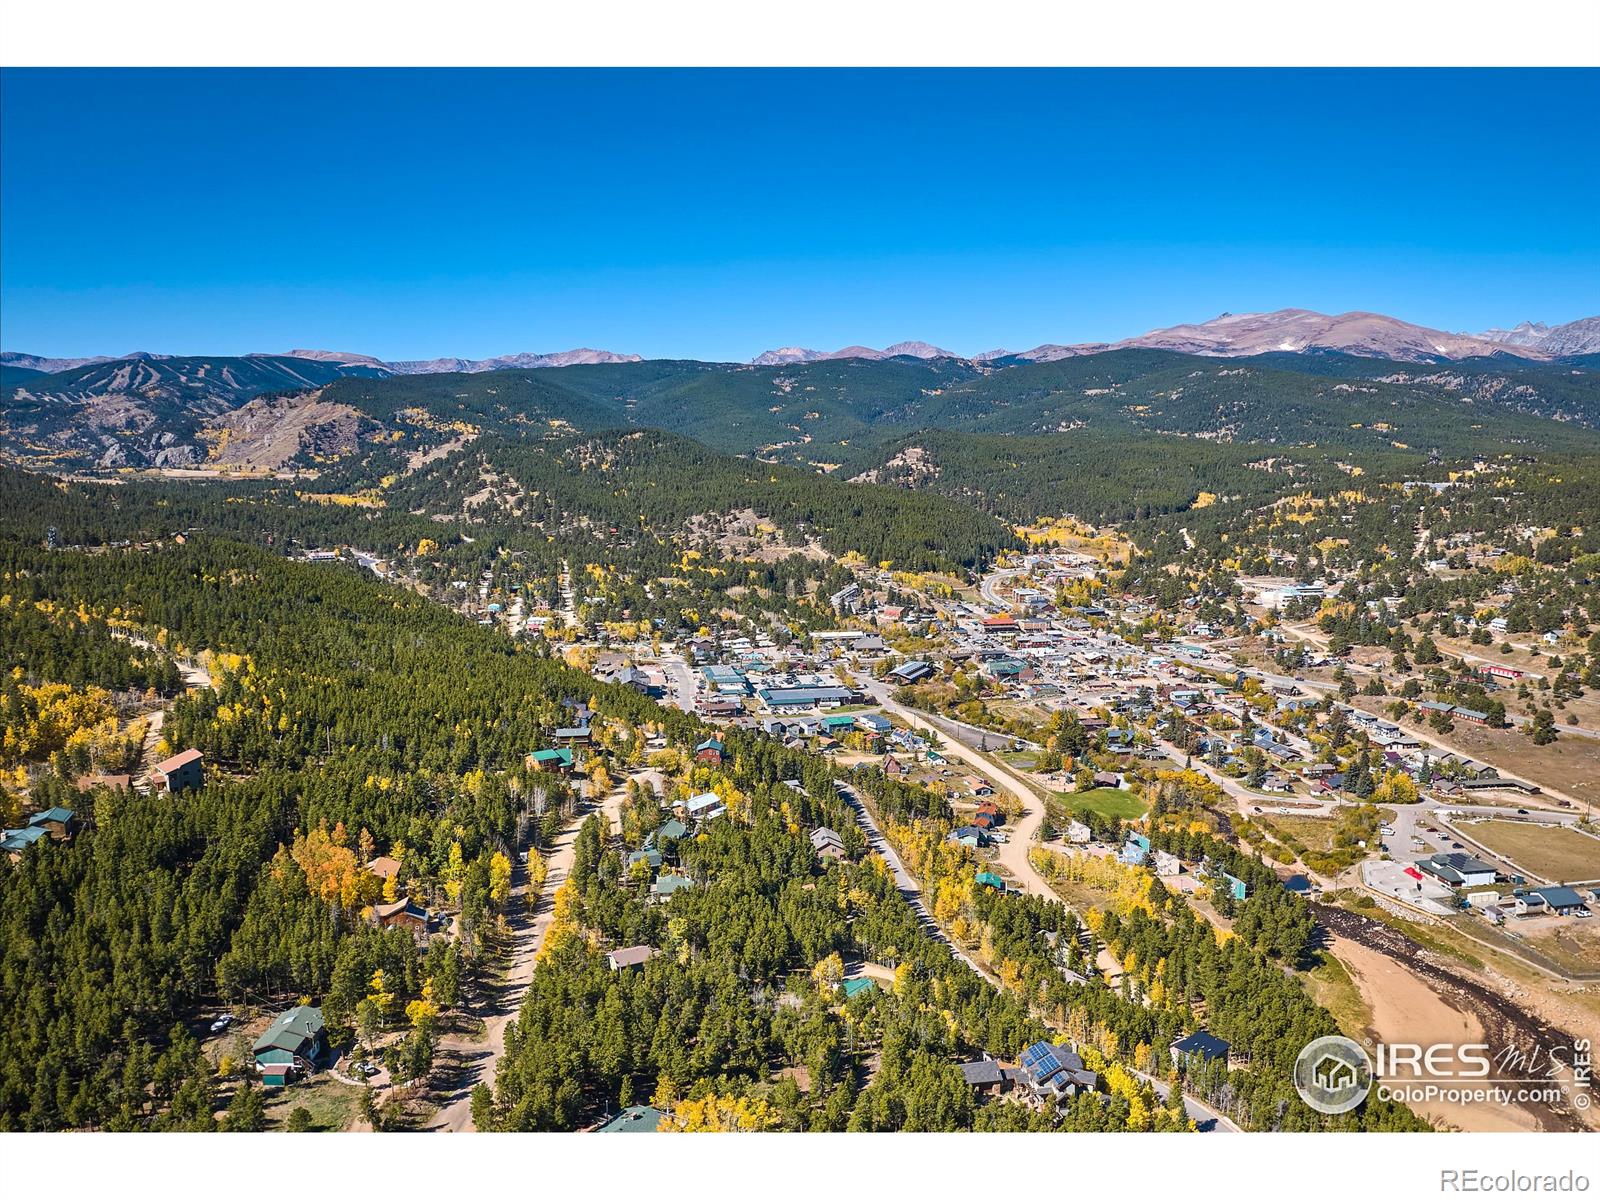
(1108, 802)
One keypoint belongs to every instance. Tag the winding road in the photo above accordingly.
(1011, 854)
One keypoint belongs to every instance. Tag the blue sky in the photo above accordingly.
(716, 214)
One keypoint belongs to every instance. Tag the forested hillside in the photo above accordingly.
(661, 483)
(822, 413)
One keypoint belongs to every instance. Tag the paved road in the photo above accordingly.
(1013, 855)
(903, 879)
(989, 586)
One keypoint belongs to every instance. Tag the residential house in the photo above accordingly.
(56, 822)
(827, 843)
(651, 856)
(989, 879)
(630, 957)
(1563, 901)
(1078, 833)
(873, 723)
(559, 760)
(14, 841)
(401, 914)
(295, 1044)
(572, 735)
(985, 1076)
(668, 831)
(710, 751)
(637, 1118)
(970, 835)
(1053, 1073)
(1198, 1047)
(179, 773)
(704, 807)
(667, 884)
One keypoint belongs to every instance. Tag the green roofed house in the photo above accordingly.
(551, 760)
(671, 830)
(14, 841)
(294, 1044)
(641, 1118)
(989, 879)
(667, 884)
(57, 822)
(854, 987)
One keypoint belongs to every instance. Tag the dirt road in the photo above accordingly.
(471, 1061)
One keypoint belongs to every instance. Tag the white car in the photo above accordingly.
(222, 1023)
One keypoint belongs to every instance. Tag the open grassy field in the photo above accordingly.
(1314, 833)
(1574, 945)
(1330, 985)
(1556, 853)
(332, 1104)
(1109, 802)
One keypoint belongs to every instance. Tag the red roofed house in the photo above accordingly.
(179, 773)
(1500, 672)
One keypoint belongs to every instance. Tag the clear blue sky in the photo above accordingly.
(716, 214)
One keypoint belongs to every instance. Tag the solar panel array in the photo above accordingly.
(1040, 1058)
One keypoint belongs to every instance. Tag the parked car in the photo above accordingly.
(1522, 812)
(222, 1023)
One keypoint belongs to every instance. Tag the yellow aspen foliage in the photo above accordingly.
(423, 1009)
(499, 879)
(538, 871)
(828, 973)
(721, 1114)
(455, 871)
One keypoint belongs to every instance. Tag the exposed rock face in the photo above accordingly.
(1575, 337)
(270, 432)
(473, 366)
(798, 354)
(1296, 329)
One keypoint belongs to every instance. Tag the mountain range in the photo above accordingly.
(16, 361)
(1289, 330)
(1230, 335)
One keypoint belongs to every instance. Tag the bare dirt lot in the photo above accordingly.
(1556, 853)
(1415, 994)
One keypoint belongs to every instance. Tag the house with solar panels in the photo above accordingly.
(1053, 1073)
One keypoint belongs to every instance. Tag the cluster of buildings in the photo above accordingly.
(1482, 887)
